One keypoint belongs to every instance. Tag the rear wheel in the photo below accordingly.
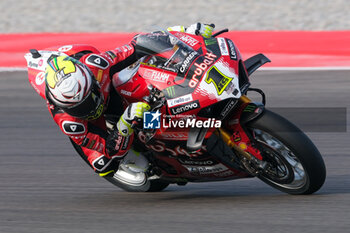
(295, 165)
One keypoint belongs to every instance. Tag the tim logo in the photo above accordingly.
(151, 120)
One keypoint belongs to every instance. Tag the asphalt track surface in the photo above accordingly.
(46, 187)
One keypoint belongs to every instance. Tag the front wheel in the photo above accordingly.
(295, 165)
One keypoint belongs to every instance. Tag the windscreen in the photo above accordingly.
(164, 50)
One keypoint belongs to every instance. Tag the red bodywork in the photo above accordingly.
(169, 144)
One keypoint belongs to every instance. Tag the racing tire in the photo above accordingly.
(300, 168)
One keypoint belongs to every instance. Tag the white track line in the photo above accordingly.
(12, 69)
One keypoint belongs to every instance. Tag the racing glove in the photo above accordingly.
(206, 30)
(132, 114)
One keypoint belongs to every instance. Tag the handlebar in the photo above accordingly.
(220, 32)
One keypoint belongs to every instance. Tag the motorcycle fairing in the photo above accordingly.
(203, 165)
(216, 65)
(208, 76)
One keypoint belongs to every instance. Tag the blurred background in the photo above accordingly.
(136, 16)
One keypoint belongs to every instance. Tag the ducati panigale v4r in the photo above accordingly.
(202, 126)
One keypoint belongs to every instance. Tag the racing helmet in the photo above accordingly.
(71, 86)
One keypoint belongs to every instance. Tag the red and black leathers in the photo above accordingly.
(98, 146)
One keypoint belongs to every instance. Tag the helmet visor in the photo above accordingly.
(91, 107)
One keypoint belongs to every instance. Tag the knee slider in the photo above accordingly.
(103, 164)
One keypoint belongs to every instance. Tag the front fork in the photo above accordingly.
(237, 138)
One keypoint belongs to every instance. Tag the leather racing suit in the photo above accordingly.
(90, 138)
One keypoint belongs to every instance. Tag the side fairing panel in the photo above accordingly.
(36, 70)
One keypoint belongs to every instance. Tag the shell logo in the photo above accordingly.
(65, 48)
(40, 78)
(243, 146)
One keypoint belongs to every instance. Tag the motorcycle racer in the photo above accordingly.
(79, 92)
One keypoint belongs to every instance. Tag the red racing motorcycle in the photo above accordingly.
(202, 126)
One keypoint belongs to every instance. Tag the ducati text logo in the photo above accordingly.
(151, 120)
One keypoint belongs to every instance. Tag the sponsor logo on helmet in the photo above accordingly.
(40, 78)
(97, 114)
(33, 64)
(59, 69)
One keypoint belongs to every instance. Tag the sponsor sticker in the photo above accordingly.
(185, 107)
(179, 100)
(203, 170)
(40, 78)
(227, 108)
(186, 63)
(223, 46)
(156, 76)
(209, 58)
(187, 39)
(224, 173)
(196, 162)
(210, 41)
(65, 48)
(33, 64)
(124, 92)
(233, 54)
